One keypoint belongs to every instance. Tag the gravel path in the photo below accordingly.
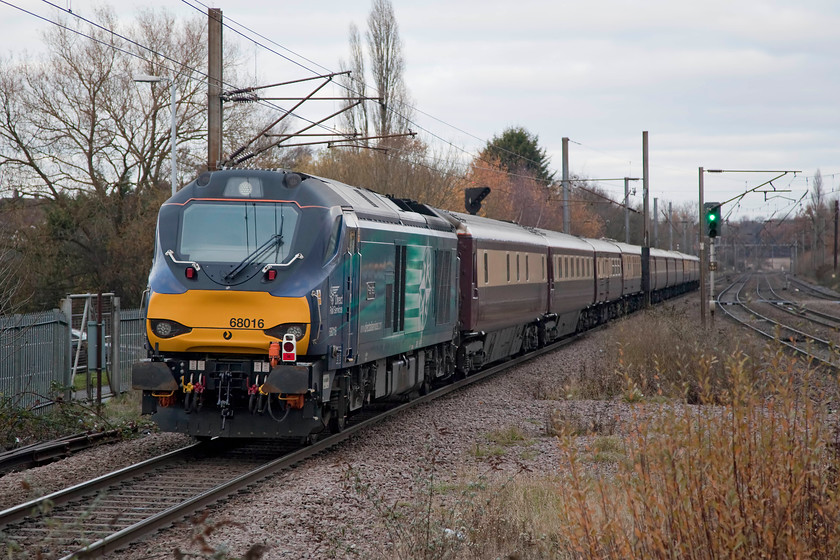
(314, 511)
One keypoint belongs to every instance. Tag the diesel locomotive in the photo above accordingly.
(280, 303)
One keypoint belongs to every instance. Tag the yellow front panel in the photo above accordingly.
(226, 321)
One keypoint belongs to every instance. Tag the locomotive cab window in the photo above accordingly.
(332, 244)
(228, 232)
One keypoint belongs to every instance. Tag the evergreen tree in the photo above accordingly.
(517, 150)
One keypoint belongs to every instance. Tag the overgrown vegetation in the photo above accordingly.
(755, 476)
(726, 450)
(20, 427)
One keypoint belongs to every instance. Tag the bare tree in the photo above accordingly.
(817, 211)
(76, 131)
(392, 111)
(356, 117)
(76, 122)
(387, 67)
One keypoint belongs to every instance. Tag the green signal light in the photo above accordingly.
(712, 218)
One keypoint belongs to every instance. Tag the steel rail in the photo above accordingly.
(125, 536)
(45, 451)
(800, 310)
(812, 290)
(92, 486)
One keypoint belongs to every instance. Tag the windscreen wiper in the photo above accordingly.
(275, 240)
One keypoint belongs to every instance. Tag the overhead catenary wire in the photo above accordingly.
(179, 64)
(351, 91)
(308, 66)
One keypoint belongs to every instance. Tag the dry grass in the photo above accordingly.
(731, 450)
(753, 477)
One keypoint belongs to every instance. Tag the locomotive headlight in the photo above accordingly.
(298, 330)
(163, 329)
(168, 329)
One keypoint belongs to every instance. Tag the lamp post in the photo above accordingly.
(172, 95)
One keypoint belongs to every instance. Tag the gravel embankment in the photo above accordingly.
(313, 512)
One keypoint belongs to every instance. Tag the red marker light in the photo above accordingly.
(289, 348)
(191, 273)
(270, 274)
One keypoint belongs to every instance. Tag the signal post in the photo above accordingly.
(711, 217)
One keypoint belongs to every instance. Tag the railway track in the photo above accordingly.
(735, 305)
(112, 511)
(813, 291)
(797, 309)
(46, 451)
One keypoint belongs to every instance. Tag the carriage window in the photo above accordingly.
(517, 267)
(486, 269)
(527, 271)
(542, 261)
(507, 258)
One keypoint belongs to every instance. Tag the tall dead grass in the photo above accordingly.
(752, 477)
(731, 451)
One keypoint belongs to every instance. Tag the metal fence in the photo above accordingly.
(34, 357)
(132, 337)
(43, 354)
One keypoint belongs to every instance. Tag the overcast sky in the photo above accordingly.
(734, 84)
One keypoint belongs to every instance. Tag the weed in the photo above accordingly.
(512, 435)
(608, 449)
(19, 426)
(566, 420)
(480, 451)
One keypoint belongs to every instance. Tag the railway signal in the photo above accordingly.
(473, 197)
(711, 211)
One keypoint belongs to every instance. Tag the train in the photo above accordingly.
(279, 304)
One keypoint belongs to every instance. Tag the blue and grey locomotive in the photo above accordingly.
(279, 303)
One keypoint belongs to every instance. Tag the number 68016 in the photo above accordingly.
(245, 323)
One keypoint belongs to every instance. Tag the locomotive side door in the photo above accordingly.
(352, 262)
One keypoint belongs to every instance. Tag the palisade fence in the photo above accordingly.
(44, 356)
